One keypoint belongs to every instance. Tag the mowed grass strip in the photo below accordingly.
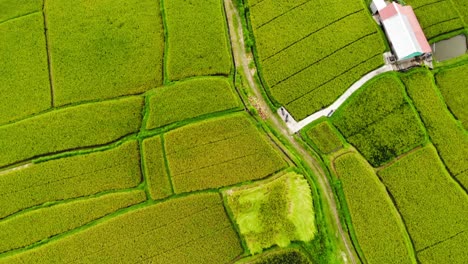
(104, 49)
(70, 128)
(379, 230)
(15, 8)
(190, 99)
(273, 212)
(452, 84)
(449, 138)
(24, 76)
(71, 177)
(34, 226)
(219, 152)
(380, 122)
(197, 39)
(192, 229)
(431, 203)
(159, 184)
(325, 137)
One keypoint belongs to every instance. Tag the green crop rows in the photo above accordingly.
(379, 121)
(449, 138)
(175, 225)
(452, 85)
(105, 51)
(379, 230)
(219, 152)
(301, 55)
(190, 99)
(197, 39)
(431, 203)
(24, 74)
(274, 212)
(325, 137)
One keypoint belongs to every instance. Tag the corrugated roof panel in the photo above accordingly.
(401, 36)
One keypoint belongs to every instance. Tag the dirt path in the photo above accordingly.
(241, 59)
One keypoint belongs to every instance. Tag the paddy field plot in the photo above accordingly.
(452, 83)
(219, 152)
(306, 58)
(449, 138)
(70, 177)
(273, 212)
(432, 205)
(325, 137)
(70, 128)
(380, 121)
(190, 99)
(34, 226)
(11, 9)
(197, 41)
(168, 232)
(104, 49)
(380, 233)
(24, 75)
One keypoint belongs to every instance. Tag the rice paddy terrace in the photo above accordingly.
(144, 131)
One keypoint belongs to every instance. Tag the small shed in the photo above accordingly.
(403, 31)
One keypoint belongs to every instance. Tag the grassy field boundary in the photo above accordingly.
(165, 77)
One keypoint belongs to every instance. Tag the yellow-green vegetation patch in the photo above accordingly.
(197, 38)
(10, 9)
(24, 76)
(193, 229)
(379, 230)
(219, 152)
(379, 121)
(462, 6)
(448, 137)
(104, 49)
(159, 184)
(306, 62)
(325, 137)
(71, 177)
(190, 99)
(33, 226)
(453, 86)
(449, 251)
(70, 128)
(273, 212)
(436, 17)
(278, 256)
(431, 203)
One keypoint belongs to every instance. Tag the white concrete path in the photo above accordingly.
(295, 126)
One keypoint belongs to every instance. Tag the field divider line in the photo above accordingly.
(166, 163)
(295, 126)
(286, 12)
(440, 242)
(428, 4)
(311, 33)
(49, 64)
(443, 21)
(20, 16)
(325, 57)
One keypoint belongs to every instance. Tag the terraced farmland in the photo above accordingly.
(306, 57)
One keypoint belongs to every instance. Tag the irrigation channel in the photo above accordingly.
(242, 61)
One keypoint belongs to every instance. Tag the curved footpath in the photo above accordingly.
(295, 126)
(241, 60)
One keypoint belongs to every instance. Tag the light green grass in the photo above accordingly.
(70, 177)
(379, 230)
(24, 76)
(15, 8)
(325, 137)
(431, 203)
(219, 152)
(34, 226)
(104, 49)
(159, 184)
(273, 212)
(189, 99)
(197, 39)
(452, 84)
(70, 128)
(193, 229)
(448, 137)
